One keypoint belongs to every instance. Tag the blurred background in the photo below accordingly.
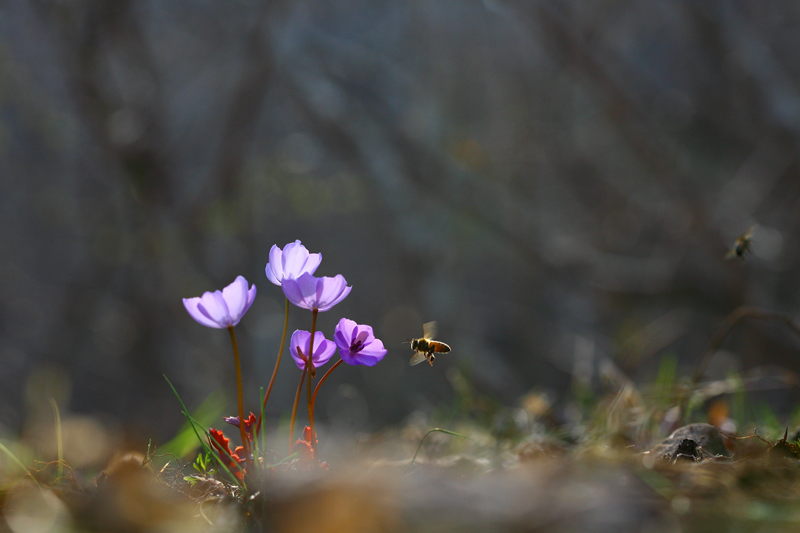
(555, 182)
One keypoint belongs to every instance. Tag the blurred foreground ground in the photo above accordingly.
(606, 481)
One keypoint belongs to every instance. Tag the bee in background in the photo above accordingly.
(742, 245)
(426, 346)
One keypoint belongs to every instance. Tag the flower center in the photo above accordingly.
(358, 342)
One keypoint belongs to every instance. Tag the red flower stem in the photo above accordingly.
(311, 417)
(277, 364)
(310, 358)
(296, 401)
(313, 399)
(245, 442)
(321, 381)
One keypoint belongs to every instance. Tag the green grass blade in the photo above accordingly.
(665, 381)
(16, 461)
(59, 437)
(440, 430)
(195, 424)
(284, 460)
(183, 443)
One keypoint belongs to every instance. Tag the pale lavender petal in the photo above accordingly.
(374, 349)
(225, 319)
(291, 290)
(345, 330)
(319, 338)
(204, 311)
(324, 353)
(349, 357)
(309, 292)
(361, 338)
(341, 342)
(274, 270)
(329, 289)
(308, 289)
(213, 306)
(312, 263)
(299, 338)
(251, 297)
(339, 298)
(366, 360)
(191, 307)
(294, 259)
(368, 335)
(235, 296)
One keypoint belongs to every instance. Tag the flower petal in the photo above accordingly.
(374, 349)
(220, 442)
(294, 259)
(274, 270)
(309, 292)
(330, 288)
(291, 262)
(251, 297)
(331, 291)
(235, 296)
(213, 306)
(363, 334)
(299, 339)
(191, 307)
(232, 420)
(348, 357)
(312, 263)
(323, 352)
(341, 297)
(361, 338)
(363, 360)
(291, 289)
(318, 338)
(341, 342)
(307, 285)
(345, 331)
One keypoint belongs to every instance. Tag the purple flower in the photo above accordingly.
(248, 424)
(357, 344)
(298, 347)
(222, 309)
(291, 262)
(309, 292)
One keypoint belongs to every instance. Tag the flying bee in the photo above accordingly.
(426, 346)
(742, 245)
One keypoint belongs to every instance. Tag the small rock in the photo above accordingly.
(674, 447)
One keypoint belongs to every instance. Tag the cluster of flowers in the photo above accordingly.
(292, 269)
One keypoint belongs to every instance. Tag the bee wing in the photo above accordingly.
(731, 253)
(417, 359)
(429, 330)
(749, 233)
